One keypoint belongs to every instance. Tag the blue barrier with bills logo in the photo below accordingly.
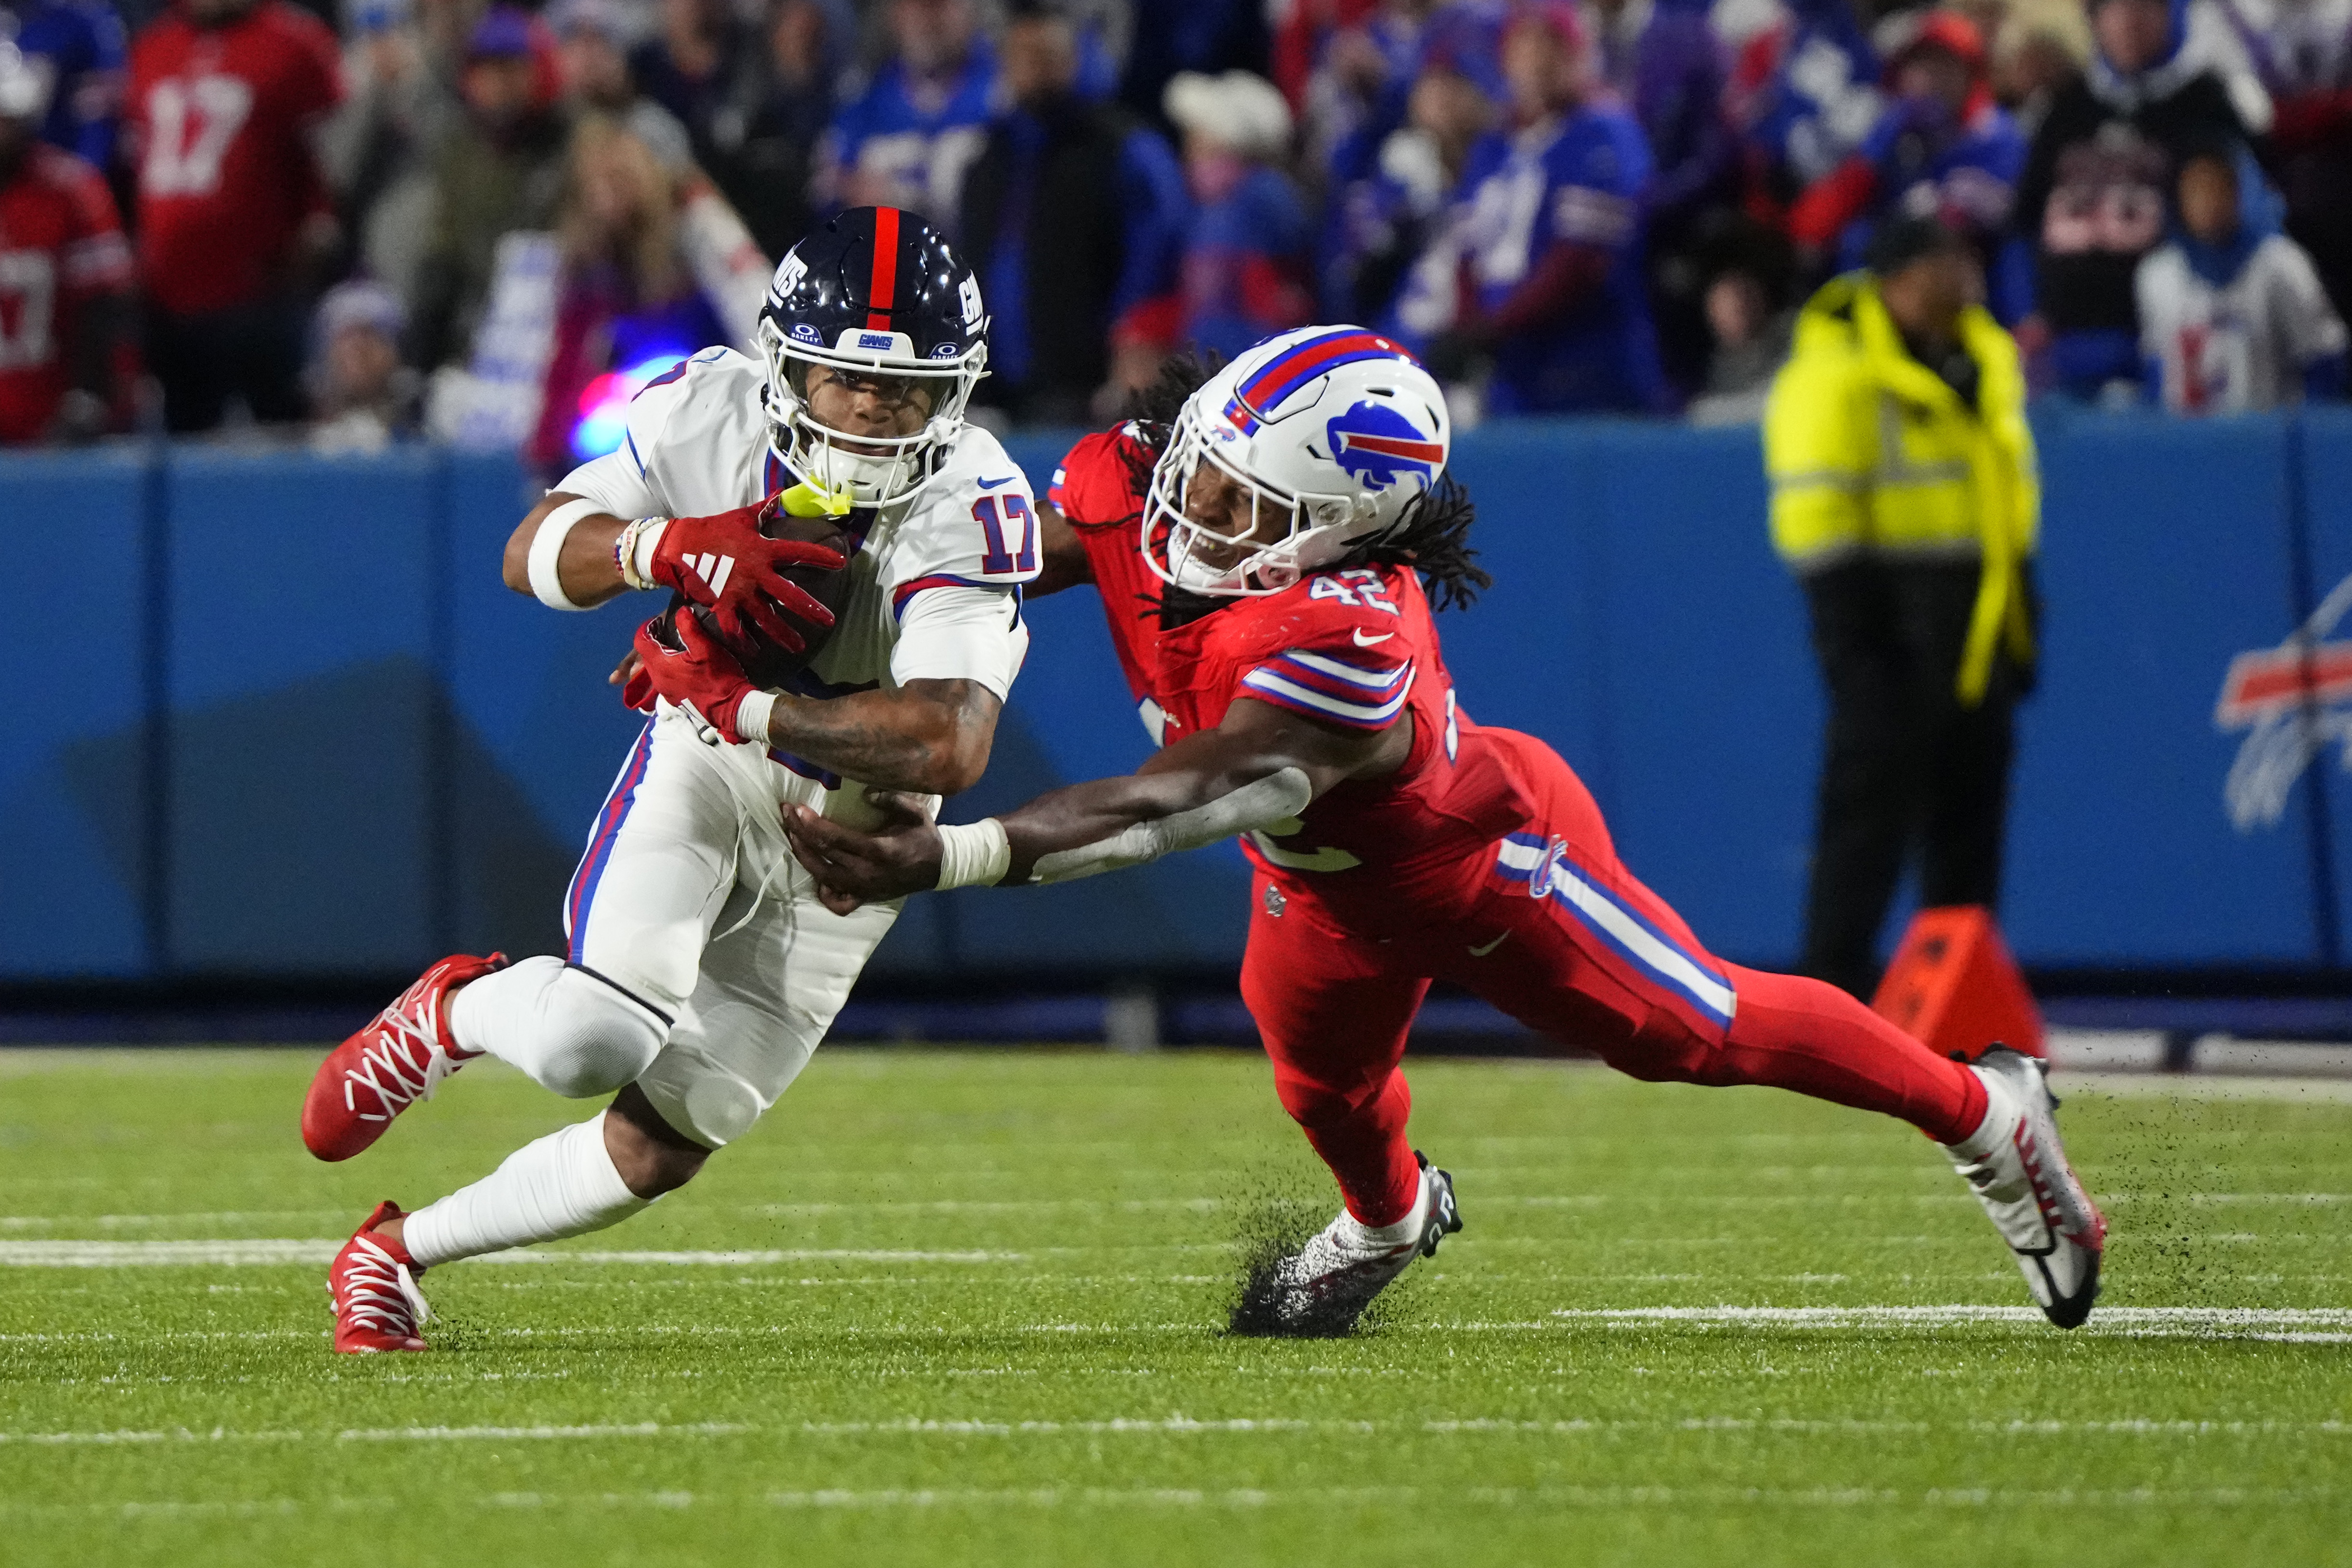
(275, 715)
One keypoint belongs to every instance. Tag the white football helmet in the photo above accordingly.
(1334, 432)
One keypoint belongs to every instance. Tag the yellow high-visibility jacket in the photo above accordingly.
(1871, 454)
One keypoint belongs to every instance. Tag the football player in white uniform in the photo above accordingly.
(702, 969)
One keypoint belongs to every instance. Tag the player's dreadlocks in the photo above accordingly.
(1435, 543)
(1434, 538)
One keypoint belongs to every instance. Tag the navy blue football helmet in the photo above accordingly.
(878, 298)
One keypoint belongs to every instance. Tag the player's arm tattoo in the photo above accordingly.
(929, 737)
(1062, 562)
(1263, 764)
(585, 566)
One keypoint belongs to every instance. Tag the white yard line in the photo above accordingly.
(2214, 1320)
(2203, 1085)
(1940, 1198)
(1187, 1426)
(246, 1253)
(1324, 1497)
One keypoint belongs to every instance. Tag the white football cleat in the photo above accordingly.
(1320, 1291)
(2019, 1170)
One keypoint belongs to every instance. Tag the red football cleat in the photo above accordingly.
(372, 1284)
(398, 1059)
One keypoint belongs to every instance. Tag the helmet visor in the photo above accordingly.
(1211, 528)
(868, 406)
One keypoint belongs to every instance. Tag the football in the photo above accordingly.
(767, 664)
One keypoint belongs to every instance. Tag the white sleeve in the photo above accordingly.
(2148, 288)
(2314, 329)
(957, 633)
(616, 483)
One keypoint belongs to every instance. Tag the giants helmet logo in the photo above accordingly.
(1378, 446)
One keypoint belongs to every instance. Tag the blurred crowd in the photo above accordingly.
(374, 220)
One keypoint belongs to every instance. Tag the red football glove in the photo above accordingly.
(725, 562)
(704, 677)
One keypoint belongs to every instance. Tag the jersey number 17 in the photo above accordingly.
(1012, 532)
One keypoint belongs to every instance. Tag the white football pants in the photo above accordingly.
(689, 901)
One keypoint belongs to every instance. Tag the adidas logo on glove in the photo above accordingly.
(711, 569)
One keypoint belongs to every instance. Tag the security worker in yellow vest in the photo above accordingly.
(1904, 498)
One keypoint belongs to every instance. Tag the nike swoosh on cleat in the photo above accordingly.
(1483, 952)
(1363, 641)
(992, 484)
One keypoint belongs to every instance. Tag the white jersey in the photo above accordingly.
(2244, 344)
(935, 584)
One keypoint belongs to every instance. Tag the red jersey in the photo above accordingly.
(1356, 649)
(222, 119)
(60, 245)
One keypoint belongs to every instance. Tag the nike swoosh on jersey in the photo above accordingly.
(1363, 641)
(1483, 952)
(992, 484)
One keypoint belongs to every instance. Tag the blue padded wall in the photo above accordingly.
(371, 752)
(74, 872)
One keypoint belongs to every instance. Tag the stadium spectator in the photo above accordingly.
(2038, 48)
(79, 46)
(1661, 57)
(1803, 94)
(2305, 60)
(625, 295)
(2097, 187)
(499, 169)
(1903, 498)
(362, 399)
(65, 299)
(377, 147)
(1245, 261)
(767, 139)
(1942, 147)
(594, 40)
(907, 140)
(1389, 187)
(2232, 316)
(1359, 76)
(1073, 215)
(234, 216)
(690, 66)
(1207, 37)
(1750, 343)
(1540, 271)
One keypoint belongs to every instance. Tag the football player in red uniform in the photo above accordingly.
(226, 97)
(1296, 522)
(64, 275)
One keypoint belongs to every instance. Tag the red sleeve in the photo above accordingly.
(1570, 273)
(314, 85)
(2309, 118)
(317, 82)
(97, 255)
(1094, 486)
(1831, 202)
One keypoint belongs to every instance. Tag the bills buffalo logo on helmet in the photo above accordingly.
(1379, 445)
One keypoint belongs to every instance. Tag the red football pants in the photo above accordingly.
(1560, 937)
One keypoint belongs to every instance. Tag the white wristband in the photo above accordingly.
(546, 551)
(974, 854)
(751, 716)
(635, 555)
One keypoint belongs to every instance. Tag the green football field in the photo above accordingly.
(965, 1308)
